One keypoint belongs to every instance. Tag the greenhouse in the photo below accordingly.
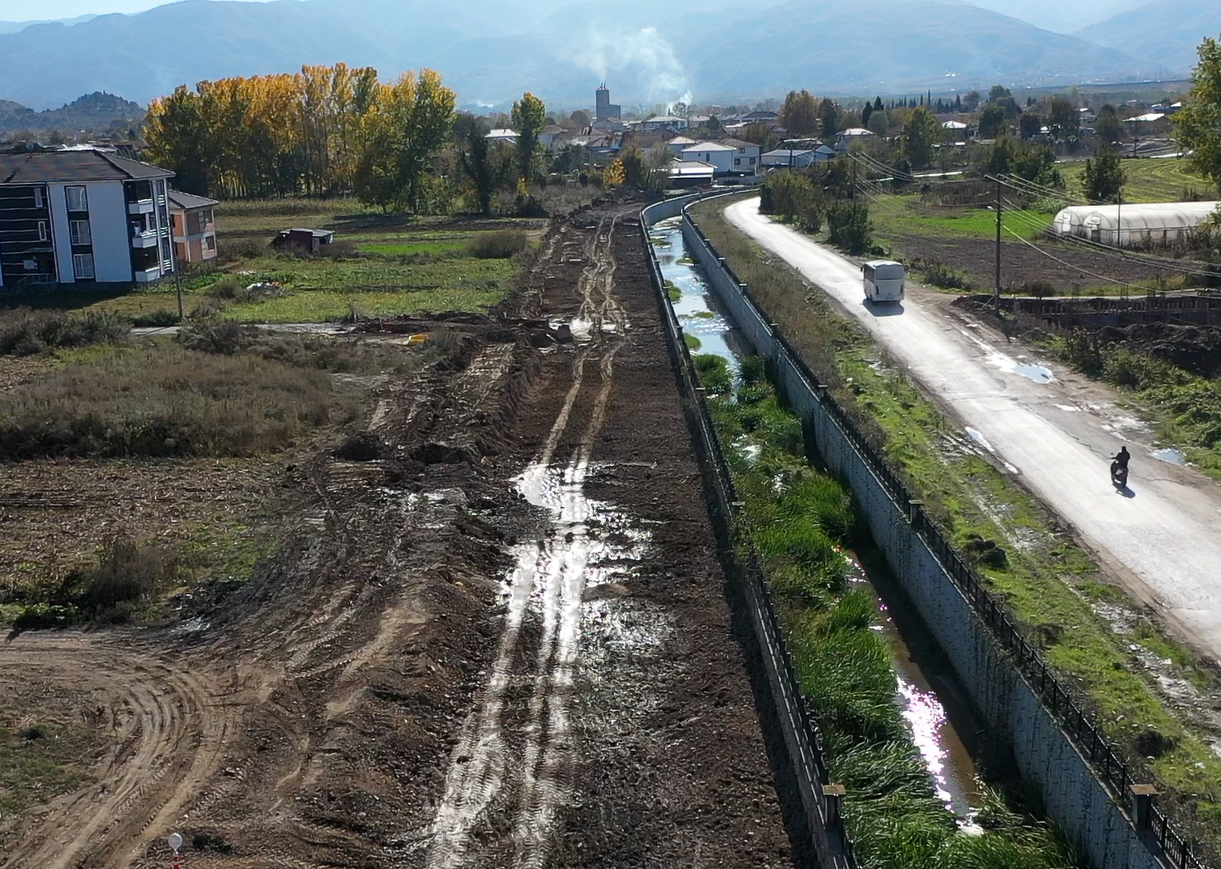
(1144, 225)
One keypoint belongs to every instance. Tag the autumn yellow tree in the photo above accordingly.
(326, 130)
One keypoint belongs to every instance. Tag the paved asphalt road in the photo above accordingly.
(1162, 537)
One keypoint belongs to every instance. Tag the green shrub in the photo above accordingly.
(940, 275)
(155, 319)
(502, 244)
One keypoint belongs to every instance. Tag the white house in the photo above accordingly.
(797, 158)
(690, 174)
(72, 217)
(845, 138)
(509, 137)
(663, 122)
(747, 156)
(547, 137)
(719, 156)
(679, 144)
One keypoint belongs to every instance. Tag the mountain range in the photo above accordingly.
(492, 50)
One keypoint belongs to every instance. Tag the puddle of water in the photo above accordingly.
(1068, 408)
(1037, 373)
(1170, 456)
(950, 765)
(978, 436)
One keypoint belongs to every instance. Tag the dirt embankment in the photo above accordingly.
(495, 632)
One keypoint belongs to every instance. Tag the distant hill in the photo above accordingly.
(1164, 31)
(936, 45)
(648, 52)
(18, 26)
(97, 112)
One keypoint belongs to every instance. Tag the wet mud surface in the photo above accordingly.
(495, 634)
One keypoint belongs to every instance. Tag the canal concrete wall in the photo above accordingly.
(820, 807)
(1008, 683)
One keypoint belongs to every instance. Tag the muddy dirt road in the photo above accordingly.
(1159, 536)
(495, 632)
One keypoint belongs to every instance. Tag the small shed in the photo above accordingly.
(1143, 225)
(309, 240)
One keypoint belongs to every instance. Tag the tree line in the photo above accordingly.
(326, 130)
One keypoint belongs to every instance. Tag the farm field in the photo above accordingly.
(382, 266)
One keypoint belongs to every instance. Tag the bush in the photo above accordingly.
(246, 248)
(25, 332)
(940, 275)
(155, 319)
(229, 287)
(222, 337)
(850, 226)
(503, 244)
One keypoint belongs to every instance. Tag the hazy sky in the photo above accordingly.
(1061, 15)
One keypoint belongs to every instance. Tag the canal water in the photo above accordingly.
(923, 690)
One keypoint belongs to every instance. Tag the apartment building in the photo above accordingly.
(82, 217)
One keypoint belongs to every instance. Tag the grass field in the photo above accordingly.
(390, 265)
(904, 215)
(1149, 180)
(1050, 583)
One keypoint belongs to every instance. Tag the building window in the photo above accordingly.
(42, 230)
(78, 232)
(38, 203)
(211, 241)
(82, 264)
(77, 200)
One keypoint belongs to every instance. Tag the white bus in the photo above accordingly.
(884, 281)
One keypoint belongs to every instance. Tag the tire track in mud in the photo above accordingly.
(526, 771)
(169, 725)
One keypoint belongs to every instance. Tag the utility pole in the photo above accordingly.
(996, 290)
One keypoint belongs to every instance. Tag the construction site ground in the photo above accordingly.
(494, 631)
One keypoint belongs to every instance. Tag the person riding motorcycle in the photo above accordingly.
(1119, 466)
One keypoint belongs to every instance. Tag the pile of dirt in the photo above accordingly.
(1193, 348)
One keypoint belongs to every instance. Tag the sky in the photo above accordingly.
(24, 10)
(1064, 16)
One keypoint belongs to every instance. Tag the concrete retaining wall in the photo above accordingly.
(1076, 796)
(820, 809)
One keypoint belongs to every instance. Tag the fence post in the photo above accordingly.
(1142, 797)
(834, 796)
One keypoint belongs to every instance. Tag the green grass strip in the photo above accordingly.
(800, 521)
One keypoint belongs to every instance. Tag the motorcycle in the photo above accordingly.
(1119, 475)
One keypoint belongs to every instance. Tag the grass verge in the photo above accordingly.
(799, 520)
(1099, 642)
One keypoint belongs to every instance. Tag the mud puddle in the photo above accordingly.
(925, 695)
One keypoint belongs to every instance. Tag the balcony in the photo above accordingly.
(140, 206)
(144, 239)
(148, 275)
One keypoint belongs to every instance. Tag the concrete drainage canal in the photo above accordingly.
(940, 723)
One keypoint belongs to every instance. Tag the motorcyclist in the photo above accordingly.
(1119, 464)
